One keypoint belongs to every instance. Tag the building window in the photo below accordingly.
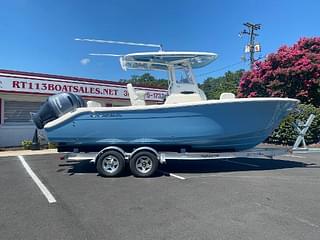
(18, 112)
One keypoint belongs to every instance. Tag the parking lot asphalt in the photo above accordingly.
(218, 199)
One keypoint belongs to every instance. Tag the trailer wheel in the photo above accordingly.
(143, 164)
(110, 163)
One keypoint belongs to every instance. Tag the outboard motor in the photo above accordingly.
(55, 107)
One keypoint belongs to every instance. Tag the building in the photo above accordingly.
(22, 93)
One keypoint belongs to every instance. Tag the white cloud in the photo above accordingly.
(85, 61)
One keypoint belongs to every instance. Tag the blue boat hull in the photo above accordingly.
(226, 126)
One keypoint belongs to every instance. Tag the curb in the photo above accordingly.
(27, 152)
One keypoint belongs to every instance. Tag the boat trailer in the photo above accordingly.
(144, 161)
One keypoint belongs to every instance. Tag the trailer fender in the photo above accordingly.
(115, 148)
(150, 149)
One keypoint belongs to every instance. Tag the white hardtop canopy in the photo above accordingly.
(162, 60)
(178, 64)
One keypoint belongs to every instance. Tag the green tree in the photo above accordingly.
(146, 80)
(213, 87)
(293, 71)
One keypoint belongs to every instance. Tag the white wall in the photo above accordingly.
(12, 135)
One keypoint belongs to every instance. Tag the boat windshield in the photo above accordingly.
(184, 76)
(181, 79)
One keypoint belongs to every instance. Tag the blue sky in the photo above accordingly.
(37, 36)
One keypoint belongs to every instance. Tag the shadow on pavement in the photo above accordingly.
(195, 166)
(73, 167)
(230, 165)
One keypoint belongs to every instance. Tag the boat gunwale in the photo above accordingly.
(78, 111)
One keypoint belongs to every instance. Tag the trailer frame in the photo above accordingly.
(162, 156)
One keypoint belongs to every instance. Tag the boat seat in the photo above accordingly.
(227, 96)
(136, 96)
(183, 98)
(93, 104)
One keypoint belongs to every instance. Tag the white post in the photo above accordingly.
(171, 77)
(302, 132)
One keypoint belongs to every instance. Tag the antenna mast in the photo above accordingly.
(121, 42)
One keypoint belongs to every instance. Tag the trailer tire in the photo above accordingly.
(143, 164)
(110, 163)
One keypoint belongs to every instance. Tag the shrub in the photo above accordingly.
(286, 133)
(26, 144)
(52, 145)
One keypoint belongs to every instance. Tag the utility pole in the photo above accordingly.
(252, 47)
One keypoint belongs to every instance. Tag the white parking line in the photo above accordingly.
(172, 175)
(294, 156)
(35, 178)
(177, 176)
(241, 163)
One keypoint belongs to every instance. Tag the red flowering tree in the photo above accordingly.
(291, 72)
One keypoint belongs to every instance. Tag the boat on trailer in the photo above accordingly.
(185, 121)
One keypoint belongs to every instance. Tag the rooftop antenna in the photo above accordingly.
(118, 42)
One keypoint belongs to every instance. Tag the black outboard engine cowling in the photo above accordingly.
(55, 107)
